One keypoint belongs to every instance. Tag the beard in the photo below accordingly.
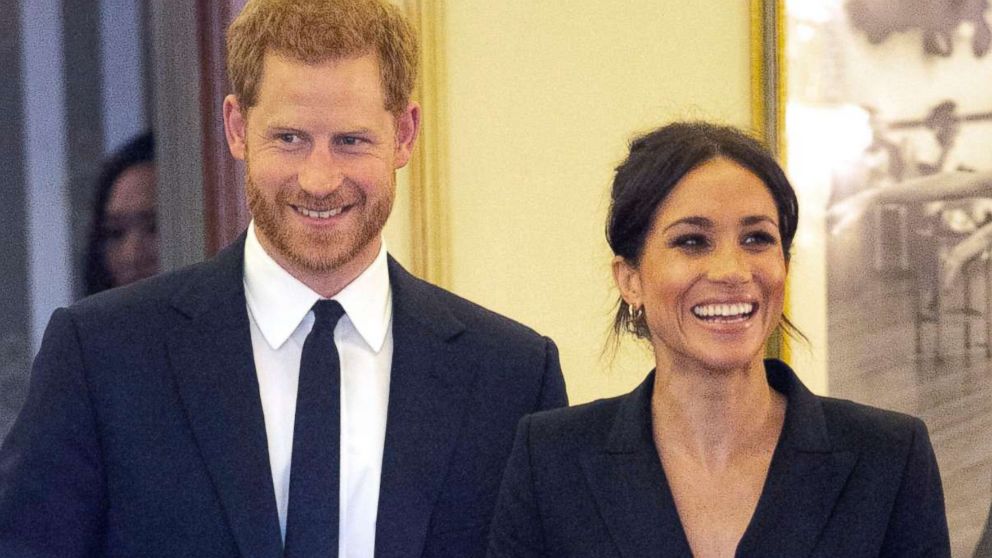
(320, 251)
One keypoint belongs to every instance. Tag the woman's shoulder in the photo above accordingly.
(583, 427)
(578, 420)
(858, 426)
(847, 424)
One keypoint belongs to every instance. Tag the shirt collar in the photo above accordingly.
(279, 302)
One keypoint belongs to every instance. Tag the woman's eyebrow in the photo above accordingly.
(756, 219)
(696, 221)
(704, 223)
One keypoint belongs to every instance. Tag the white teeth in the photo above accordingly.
(319, 214)
(736, 310)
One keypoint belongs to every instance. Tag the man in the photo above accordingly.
(165, 419)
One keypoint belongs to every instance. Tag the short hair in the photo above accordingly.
(314, 31)
(138, 150)
(657, 162)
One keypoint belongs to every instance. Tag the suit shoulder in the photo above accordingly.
(476, 317)
(577, 428)
(140, 298)
(869, 428)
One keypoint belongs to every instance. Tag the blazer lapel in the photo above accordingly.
(629, 485)
(212, 359)
(805, 478)
(427, 399)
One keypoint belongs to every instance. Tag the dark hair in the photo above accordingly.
(138, 150)
(657, 162)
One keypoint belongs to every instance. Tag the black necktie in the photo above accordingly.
(314, 477)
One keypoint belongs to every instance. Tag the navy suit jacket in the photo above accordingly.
(143, 432)
(845, 480)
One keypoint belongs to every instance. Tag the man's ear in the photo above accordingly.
(407, 130)
(235, 126)
(628, 280)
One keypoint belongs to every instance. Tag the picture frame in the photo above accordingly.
(875, 111)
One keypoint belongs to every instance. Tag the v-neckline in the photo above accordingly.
(760, 507)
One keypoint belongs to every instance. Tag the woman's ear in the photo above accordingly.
(628, 280)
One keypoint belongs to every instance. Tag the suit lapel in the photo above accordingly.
(212, 359)
(628, 483)
(805, 478)
(427, 400)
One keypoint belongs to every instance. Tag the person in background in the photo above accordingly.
(123, 238)
(718, 452)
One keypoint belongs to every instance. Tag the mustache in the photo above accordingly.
(341, 197)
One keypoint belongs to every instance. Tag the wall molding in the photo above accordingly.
(429, 203)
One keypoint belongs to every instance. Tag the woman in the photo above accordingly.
(123, 242)
(718, 452)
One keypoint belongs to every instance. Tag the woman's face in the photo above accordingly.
(712, 273)
(130, 245)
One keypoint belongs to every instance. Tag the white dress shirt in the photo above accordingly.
(279, 312)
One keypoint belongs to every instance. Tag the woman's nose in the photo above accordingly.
(135, 243)
(729, 265)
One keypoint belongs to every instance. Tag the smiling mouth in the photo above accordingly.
(313, 214)
(725, 312)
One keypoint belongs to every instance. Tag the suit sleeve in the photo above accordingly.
(516, 530)
(918, 525)
(984, 547)
(51, 477)
(553, 393)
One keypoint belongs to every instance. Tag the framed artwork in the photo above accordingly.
(882, 113)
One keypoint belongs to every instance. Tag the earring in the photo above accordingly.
(634, 312)
(635, 315)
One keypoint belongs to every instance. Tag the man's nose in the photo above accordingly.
(321, 172)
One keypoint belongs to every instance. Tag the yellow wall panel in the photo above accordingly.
(542, 99)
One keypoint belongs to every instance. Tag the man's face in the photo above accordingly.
(321, 151)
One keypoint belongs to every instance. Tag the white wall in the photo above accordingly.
(49, 259)
(543, 96)
(122, 47)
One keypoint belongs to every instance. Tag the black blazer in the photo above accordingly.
(845, 480)
(143, 432)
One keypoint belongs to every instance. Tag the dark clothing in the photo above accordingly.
(143, 433)
(845, 480)
(984, 547)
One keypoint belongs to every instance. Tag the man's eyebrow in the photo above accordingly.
(284, 126)
(275, 126)
(354, 131)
